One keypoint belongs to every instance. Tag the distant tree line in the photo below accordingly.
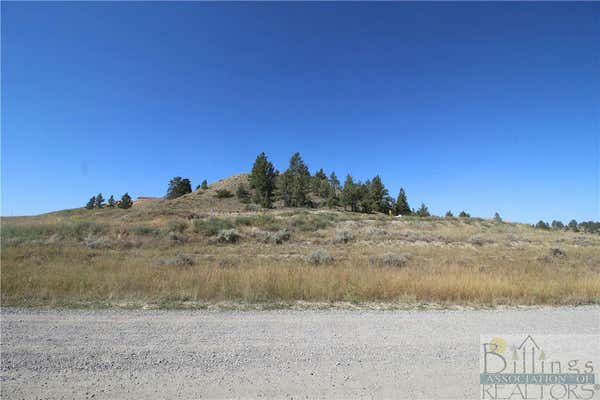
(573, 225)
(297, 187)
(98, 202)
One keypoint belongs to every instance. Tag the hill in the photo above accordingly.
(200, 249)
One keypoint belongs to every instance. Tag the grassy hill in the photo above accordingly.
(200, 249)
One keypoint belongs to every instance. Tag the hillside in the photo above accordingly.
(199, 249)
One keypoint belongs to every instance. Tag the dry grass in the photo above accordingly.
(126, 258)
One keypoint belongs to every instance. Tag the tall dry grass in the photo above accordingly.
(76, 276)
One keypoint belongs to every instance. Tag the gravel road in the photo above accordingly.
(259, 354)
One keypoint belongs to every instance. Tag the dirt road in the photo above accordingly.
(263, 354)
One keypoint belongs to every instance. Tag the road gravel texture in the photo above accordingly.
(112, 354)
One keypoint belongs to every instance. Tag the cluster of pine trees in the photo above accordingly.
(296, 187)
(98, 202)
(573, 225)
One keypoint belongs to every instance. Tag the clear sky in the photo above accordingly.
(478, 106)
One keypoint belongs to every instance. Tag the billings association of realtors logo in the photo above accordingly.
(528, 367)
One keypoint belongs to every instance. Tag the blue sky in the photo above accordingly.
(478, 106)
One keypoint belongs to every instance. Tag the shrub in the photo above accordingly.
(267, 222)
(343, 237)
(243, 220)
(144, 230)
(389, 260)
(223, 194)
(319, 257)
(478, 240)
(176, 237)
(178, 260)
(95, 242)
(176, 225)
(211, 226)
(228, 236)
(278, 237)
(556, 252)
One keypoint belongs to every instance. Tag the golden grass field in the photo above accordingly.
(169, 254)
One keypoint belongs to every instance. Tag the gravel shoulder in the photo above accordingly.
(112, 354)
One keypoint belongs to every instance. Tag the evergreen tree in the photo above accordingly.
(557, 225)
(573, 225)
(91, 203)
(242, 193)
(542, 225)
(350, 194)
(204, 185)
(402, 207)
(449, 214)
(423, 211)
(125, 201)
(262, 180)
(99, 201)
(464, 214)
(294, 185)
(111, 201)
(317, 184)
(380, 199)
(178, 186)
(497, 217)
(334, 182)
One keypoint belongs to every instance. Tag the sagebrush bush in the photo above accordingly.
(278, 237)
(177, 225)
(228, 236)
(145, 230)
(319, 257)
(223, 194)
(177, 260)
(96, 242)
(73, 230)
(389, 259)
(343, 236)
(212, 226)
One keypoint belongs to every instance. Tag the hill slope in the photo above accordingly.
(198, 249)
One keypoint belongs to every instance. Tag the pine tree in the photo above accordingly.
(178, 186)
(204, 185)
(334, 190)
(573, 225)
(557, 225)
(380, 200)
(402, 207)
(317, 186)
(111, 202)
(464, 214)
(125, 201)
(262, 180)
(423, 211)
(497, 217)
(350, 194)
(91, 203)
(242, 193)
(99, 201)
(542, 225)
(294, 185)
(449, 214)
